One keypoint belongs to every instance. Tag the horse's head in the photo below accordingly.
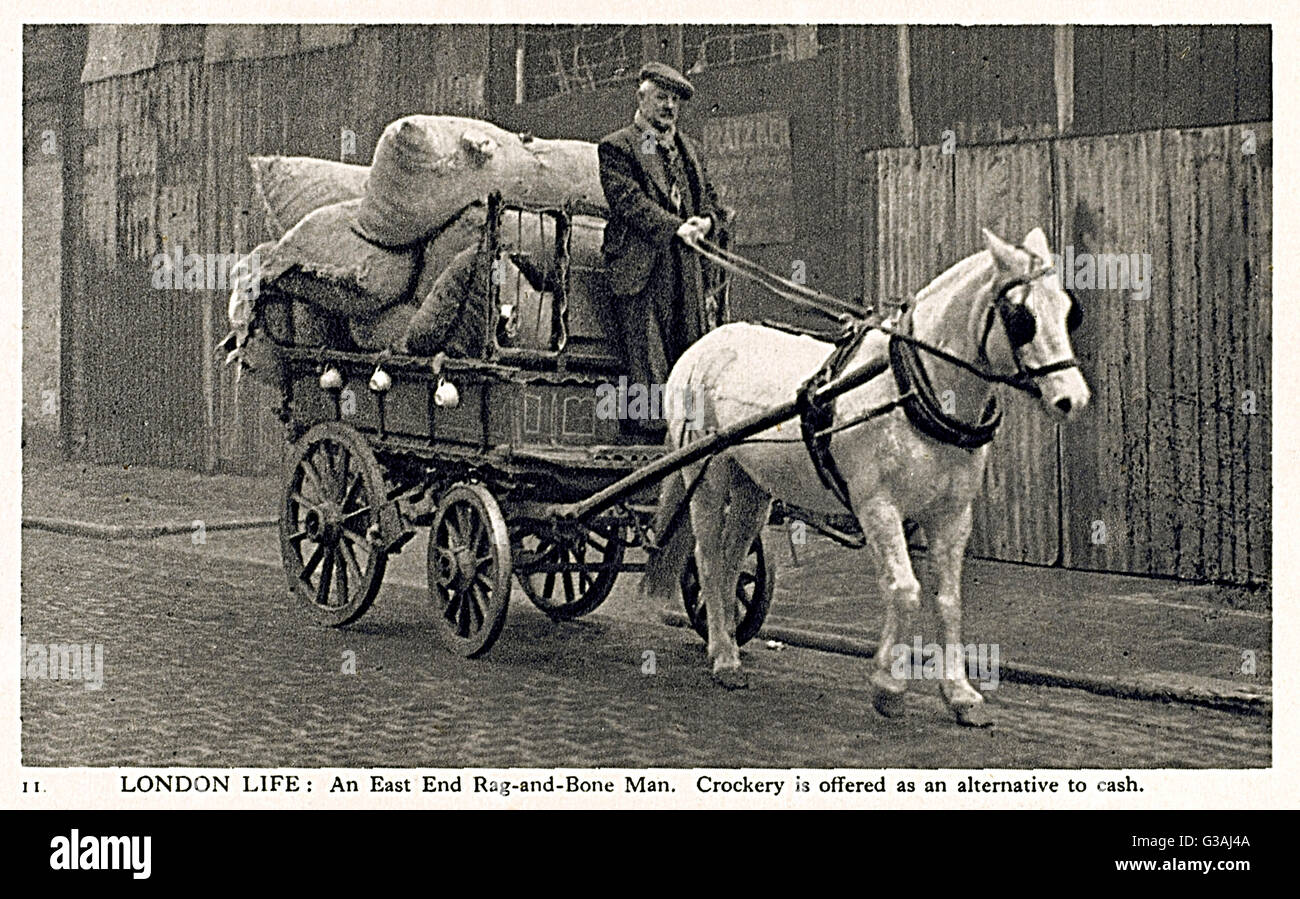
(1026, 328)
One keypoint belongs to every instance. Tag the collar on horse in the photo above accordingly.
(915, 394)
(922, 406)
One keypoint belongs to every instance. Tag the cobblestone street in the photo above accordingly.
(206, 663)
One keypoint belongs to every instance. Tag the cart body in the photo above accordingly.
(482, 451)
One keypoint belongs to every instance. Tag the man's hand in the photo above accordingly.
(689, 231)
(695, 228)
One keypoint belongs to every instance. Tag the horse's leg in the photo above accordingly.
(883, 528)
(736, 508)
(946, 536)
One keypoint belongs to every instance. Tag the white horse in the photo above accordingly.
(996, 309)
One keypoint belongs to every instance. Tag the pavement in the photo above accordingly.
(1124, 636)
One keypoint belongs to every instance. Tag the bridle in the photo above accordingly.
(1017, 320)
(1020, 327)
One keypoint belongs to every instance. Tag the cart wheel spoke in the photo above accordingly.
(469, 568)
(341, 572)
(350, 557)
(357, 548)
(324, 464)
(333, 571)
(310, 565)
(347, 479)
(327, 569)
(339, 466)
(478, 605)
(356, 538)
(351, 497)
(456, 616)
(310, 473)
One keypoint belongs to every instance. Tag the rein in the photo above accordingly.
(852, 317)
(916, 395)
(796, 293)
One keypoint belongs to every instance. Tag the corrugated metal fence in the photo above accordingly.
(1169, 471)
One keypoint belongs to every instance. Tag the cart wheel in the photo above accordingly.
(753, 591)
(583, 561)
(331, 503)
(469, 569)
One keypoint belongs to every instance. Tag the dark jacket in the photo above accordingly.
(641, 224)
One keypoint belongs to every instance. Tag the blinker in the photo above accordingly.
(1020, 324)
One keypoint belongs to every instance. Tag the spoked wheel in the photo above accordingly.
(469, 569)
(567, 572)
(331, 504)
(753, 593)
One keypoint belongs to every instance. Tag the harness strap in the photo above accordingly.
(785, 288)
(816, 420)
(832, 337)
(923, 408)
(834, 307)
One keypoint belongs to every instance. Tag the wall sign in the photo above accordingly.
(749, 160)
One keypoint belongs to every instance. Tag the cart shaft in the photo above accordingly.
(711, 444)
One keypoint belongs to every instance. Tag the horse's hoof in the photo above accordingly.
(731, 678)
(977, 715)
(888, 703)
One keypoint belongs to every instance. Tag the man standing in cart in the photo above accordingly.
(660, 201)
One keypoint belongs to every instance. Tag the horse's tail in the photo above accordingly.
(676, 539)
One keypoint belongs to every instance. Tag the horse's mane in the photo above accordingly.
(959, 270)
(955, 281)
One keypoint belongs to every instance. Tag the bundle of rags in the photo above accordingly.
(359, 249)
(427, 169)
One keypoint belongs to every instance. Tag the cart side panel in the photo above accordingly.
(403, 409)
(406, 407)
(358, 405)
(465, 422)
(563, 414)
(308, 403)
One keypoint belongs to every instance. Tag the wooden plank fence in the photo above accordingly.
(1169, 471)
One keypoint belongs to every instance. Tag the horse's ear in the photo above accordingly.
(1036, 242)
(1004, 254)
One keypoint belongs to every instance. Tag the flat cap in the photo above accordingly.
(668, 78)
